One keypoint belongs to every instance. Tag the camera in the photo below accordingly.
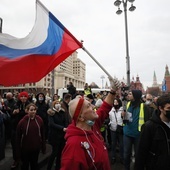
(124, 92)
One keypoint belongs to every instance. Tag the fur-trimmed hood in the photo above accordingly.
(52, 111)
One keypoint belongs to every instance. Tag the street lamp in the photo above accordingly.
(119, 11)
(102, 77)
(1, 21)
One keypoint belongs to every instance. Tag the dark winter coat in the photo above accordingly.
(71, 90)
(15, 118)
(57, 122)
(42, 108)
(65, 106)
(154, 145)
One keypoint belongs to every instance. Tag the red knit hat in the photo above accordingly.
(24, 93)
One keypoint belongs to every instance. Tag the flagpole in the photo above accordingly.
(110, 77)
(1, 21)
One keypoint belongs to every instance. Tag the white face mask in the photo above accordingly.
(40, 98)
(57, 106)
(90, 122)
(148, 102)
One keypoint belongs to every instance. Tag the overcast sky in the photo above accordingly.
(103, 32)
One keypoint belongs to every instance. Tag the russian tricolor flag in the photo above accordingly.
(29, 59)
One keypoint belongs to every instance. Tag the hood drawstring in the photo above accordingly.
(27, 126)
(37, 125)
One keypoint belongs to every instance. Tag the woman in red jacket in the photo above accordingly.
(85, 148)
(30, 138)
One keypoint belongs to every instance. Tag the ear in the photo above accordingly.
(160, 108)
(81, 118)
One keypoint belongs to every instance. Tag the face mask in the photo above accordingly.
(40, 98)
(148, 102)
(167, 114)
(116, 106)
(90, 122)
(58, 106)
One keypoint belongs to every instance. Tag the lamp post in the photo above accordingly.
(119, 11)
(1, 21)
(102, 77)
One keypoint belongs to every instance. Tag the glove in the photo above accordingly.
(114, 83)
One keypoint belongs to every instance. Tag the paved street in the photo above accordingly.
(5, 164)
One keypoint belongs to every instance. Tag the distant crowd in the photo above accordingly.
(82, 127)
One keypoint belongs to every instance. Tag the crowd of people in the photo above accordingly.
(81, 128)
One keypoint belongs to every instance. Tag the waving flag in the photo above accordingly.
(29, 59)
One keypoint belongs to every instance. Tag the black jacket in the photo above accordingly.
(57, 122)
(154, 145)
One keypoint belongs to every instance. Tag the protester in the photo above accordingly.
(8, 108)
(30, 138)
(17, 115)
(42, 108)
(55, 97)
(151, 105)
(87, 89)
(154, 144)
(135, 117)
(85, 147)
(65, 106)
(71, 89)
(3, 117)
(58, 123)
(90, 98)
(116, 127)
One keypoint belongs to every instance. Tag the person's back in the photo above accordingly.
(71, 89)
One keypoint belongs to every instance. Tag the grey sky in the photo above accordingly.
(103, 32)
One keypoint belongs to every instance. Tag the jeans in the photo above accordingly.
(128, 142)
(117, 139)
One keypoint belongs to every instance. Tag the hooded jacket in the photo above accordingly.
(42, 107)
(30, 134)
(154, 145)
(86, 150)
(131, 128)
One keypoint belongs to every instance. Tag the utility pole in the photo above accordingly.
(119, 11)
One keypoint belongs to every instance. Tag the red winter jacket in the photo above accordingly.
(76, 157)
(30, 134)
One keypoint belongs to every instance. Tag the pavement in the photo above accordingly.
(5, 164)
